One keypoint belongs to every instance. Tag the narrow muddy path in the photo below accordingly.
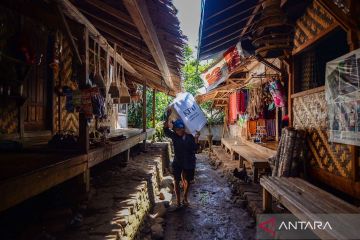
(211, 214)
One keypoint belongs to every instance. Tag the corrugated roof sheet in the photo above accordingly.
(222, 23)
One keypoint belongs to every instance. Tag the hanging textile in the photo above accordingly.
(238, 100)
(252, 127)
(277, 92)
(242, 101)
(255, 104)
(232, 108)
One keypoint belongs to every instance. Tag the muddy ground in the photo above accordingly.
(212, 214)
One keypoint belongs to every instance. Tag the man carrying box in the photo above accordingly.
(183, 166)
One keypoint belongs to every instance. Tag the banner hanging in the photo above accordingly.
(218, 73)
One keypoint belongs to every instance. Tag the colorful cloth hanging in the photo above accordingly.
(232, 109)
(252, 127)
(238, 100)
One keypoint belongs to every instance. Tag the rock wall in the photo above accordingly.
(121, 198)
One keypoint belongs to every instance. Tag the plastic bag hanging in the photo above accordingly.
(114, 89)
(124, 90)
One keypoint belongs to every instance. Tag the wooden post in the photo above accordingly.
(84, 73)
(153, 111)
(144, 112)
(277, 124)
(21, 120)
(225, 121)
(267, 201)
(153, 107)
(86, 180)
(290, 70)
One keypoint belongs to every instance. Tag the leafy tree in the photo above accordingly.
(191, 72)
(192, 82)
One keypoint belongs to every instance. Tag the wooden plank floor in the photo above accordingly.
(26, 174)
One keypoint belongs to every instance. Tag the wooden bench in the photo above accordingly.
(305, 200)
(256, 159)
(227, 143)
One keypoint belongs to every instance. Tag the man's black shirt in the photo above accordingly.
(185, 149)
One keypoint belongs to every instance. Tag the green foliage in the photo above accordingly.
(135, 109)
(192, 82)
(214, 116)
(191, 72)
(135, 115)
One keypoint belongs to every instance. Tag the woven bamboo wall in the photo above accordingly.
(314, 21)
(9, 118)
(69, 121)
(310, 114)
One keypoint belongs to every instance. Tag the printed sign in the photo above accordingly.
(217, 74)
(342, 92)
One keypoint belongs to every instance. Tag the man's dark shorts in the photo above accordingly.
(187, 173)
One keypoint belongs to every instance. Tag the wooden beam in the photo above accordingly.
(124, 40)
(116, 13)
(124, 47)
(116, 25)
(72, 12)
(14, 190)
(345, 22)
(153, 84)
(268, 64)
(237, 79)
(267, 201)
(315, 39)
(250, 20)
(308, 92)
(140, 15)
(69, 35)
(99, 155)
